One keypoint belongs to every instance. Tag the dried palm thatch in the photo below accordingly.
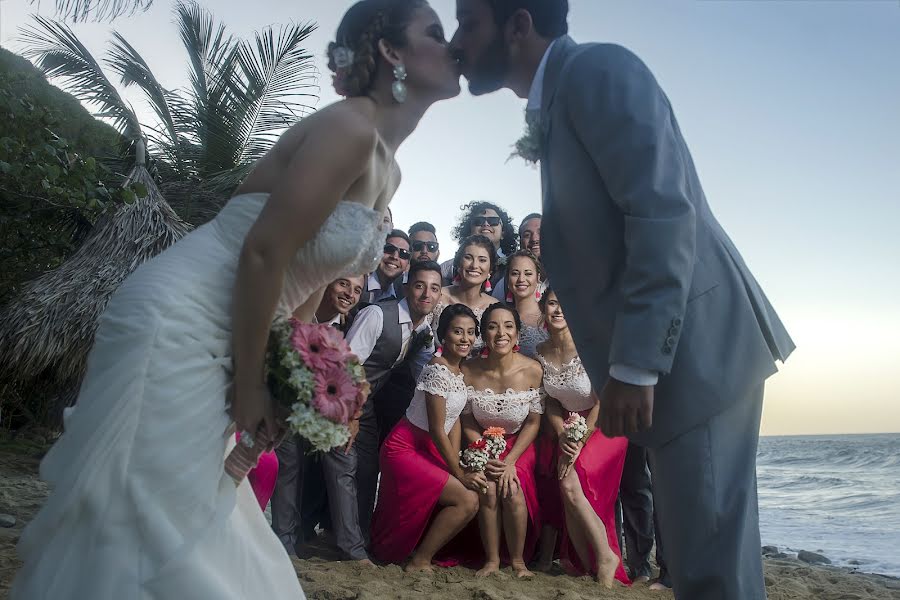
(47, 331)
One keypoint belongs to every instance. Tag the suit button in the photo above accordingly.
(676, 322)
(670, 341)
(673, 330)
(667, 350)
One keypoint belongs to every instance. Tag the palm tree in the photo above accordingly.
(99, 10)
(203, 139)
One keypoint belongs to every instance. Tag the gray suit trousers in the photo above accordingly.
(340, 481)
(704, 484)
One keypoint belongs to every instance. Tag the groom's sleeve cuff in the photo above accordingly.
(633, 375)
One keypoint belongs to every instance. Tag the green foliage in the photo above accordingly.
(50, 194)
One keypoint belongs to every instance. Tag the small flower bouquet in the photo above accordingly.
(495, 441)
(476, 456)
(316, 381)
(575, 428)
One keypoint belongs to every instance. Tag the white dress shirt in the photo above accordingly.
(626, 373)
(369, 324)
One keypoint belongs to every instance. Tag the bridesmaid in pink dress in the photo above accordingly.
(422, 452)
(580, 481)
(504, 391)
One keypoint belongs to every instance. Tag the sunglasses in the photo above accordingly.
(481, 221)
(428, 246)
(403, 253)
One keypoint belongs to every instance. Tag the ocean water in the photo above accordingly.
(838, 495)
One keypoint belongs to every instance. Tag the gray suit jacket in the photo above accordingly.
(646, 275)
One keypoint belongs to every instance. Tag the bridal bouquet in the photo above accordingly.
(318, 386)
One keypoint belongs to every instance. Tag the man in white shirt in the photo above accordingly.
(299, 502)
(388, 336)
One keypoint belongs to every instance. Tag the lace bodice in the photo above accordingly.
(569, 384)
(349, 242)
(529, 338)
(440, 381)
(507, 410)
(435, 319)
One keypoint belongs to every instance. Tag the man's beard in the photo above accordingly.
(488, 74)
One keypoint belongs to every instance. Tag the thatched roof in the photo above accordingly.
(48, 329)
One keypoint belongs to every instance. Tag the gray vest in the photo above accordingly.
(387, 348)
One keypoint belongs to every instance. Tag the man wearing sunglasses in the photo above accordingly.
(423, 242)
(386, 282)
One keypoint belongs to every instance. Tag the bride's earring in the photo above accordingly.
(398, 88)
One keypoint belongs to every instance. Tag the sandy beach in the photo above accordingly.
(21, 494)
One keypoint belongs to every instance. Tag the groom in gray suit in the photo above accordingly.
(672, 327)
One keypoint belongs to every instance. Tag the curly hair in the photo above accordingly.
(481, 242)
(509, 238)
(363, 25)
(450, 313)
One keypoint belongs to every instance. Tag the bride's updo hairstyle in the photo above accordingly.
(354, 57)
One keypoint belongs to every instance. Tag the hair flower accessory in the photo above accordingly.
(343, 57)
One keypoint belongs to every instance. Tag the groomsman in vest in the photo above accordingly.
(299, 502)
(387, 336)
(386, 282)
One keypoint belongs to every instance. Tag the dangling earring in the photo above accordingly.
(439, 351)
(516, 348)
(488, 287)
(398, 88)
(509, 298)
(457, 278)
(484, 352)
(537, 294)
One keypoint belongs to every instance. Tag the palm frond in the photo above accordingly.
(59, 53)
(97, 10)
(276, 74)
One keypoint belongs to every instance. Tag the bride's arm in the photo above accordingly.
(318, 176)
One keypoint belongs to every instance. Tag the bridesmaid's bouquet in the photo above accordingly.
(495, 440)
(318, 386)
(575, 428)
(476, 456)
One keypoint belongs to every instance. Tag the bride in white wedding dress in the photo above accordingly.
(140, 506)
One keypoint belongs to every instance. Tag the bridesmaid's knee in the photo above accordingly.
(514, 501)
(570, 488)
(471, 503)
(488, 499)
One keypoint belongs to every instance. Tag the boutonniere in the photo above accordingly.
(423, 339)
(530, 147)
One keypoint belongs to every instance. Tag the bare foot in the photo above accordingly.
(416, 565)
(657, 586)
(606, 569)
(521, 570)
(365, 563)
(487, 569)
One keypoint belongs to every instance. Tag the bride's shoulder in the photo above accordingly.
(345, 123)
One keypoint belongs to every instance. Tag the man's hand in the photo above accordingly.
(354, 430)
(625, 408)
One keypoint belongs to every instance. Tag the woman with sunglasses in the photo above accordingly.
(473, 265)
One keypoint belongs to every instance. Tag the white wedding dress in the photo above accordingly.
(140, 506)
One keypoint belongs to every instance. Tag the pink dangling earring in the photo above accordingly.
(509, 298)
(488, 287)
(439, 351)
(457, 278)
(516, 348)
(484, 352)
(544, 325)
(537, 294)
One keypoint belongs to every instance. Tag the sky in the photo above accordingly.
(792, 113)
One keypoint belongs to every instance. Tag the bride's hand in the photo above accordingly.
(253, 411)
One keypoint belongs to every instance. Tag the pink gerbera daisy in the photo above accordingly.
(335, 397)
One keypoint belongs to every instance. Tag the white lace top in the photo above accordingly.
(507, 410)
(440, 381)
(569, 384)
(529, 338)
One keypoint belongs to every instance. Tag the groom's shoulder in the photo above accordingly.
(595, 57)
